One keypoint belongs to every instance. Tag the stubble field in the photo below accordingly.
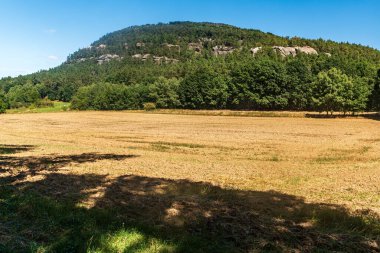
(168, 183)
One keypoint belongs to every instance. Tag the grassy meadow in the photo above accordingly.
(58, 106)
(150, 182)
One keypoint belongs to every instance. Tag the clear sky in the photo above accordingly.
(39, 34)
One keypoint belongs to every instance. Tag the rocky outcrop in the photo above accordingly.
(204, 40)
(142, 57)
(222, 50)
(164, 59)
(101, 46)
(101, 59)
(140, 44)
(107, 58)
(306, 50)
(171, 46)
(293, 51)
(255, 50)
(286, 51)
(197, 47)
(156, 59)
(137, 56)
(145, 57)
(81, 60)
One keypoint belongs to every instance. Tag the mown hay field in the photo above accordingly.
(209, 183)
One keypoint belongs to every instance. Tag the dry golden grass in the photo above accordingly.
(323, 160)
(180, 182)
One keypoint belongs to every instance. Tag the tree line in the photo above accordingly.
(220, 83)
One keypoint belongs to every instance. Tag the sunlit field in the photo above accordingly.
(141, 182)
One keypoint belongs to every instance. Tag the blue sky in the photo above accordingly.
(39, 34)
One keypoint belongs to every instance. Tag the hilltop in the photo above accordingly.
(182, 40)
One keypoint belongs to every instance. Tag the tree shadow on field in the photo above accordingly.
(13, 149)
(63, 212)
(19, 168)
(373, 116)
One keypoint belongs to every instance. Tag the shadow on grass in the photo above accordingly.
(19, 168)
(13, 149)
(373, 116)
(94, 213)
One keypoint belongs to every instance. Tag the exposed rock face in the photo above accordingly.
(101, 46)
(289, 51)
(164, 59)
(222, 50)
(286, 51)
(171, 46)
(293, 51)
(156, 59)
(255, 50)
(142, 57)
(137, 56)
(219, 50)
(197, 47)
(101, 59)
(81, 60)
(145, 57)
(107, 58)
(206, 40)
(306, 50)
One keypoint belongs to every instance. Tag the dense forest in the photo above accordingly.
(205, 66)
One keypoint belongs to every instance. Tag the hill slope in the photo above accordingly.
(278, 71)
(178, 38)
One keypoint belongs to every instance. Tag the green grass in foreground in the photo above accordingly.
(58, 107)
(34, 223)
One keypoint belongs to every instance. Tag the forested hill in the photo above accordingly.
(206, 66)
(181, 40)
